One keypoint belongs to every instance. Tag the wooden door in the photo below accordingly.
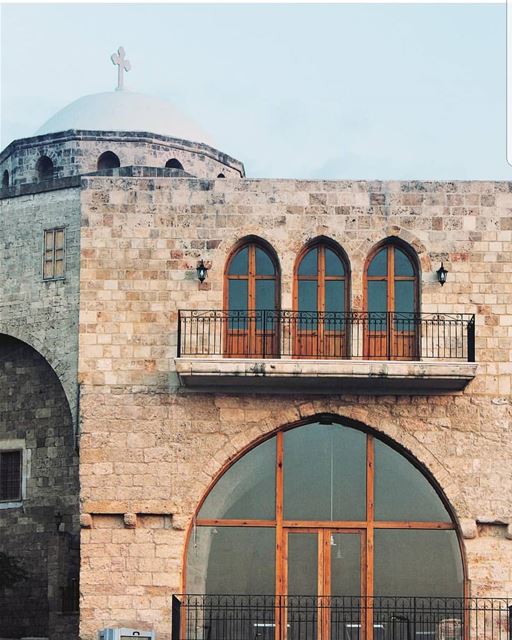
(320, 299)
(324, 584)
(251, 301)
(391, 300)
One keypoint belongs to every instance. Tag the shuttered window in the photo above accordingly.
(10, 475)
(54, 254)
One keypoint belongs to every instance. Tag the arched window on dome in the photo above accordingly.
(314, 511)
(391, 296)
(321, 300)
(44, 168)
(108, 160)
(221, 175)
(251, 299)
(5, 179)
(173, 163)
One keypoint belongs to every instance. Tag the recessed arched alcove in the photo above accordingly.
(108, 160)
(44, 168)
(325, 508)
(173, 163)
(5, 179)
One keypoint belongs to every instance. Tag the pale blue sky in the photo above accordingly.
(294, 91)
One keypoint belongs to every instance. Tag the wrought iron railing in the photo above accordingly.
(326, 335)
(237, 617)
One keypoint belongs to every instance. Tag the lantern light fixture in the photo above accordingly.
(202, 271)
(441, 274)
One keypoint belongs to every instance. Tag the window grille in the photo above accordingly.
(10, 475)
(54, 254)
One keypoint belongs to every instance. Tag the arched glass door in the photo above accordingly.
(320, 303)
(391, 292)
(328, 518)
(252, 294)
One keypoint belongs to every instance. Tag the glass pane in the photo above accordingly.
(345, 564)
(379, 265)
(417, 563)
(308, 264)
(404, 296)
(335, 295)
(231, 560)
(239, 265)
(401, 491)
(403, 266)
(302, 564)
(265, 300)
(247, 489)
(377, 304)
(333, 264)
(237, 295)
(324, 473)
(264, 265)
(308, 295)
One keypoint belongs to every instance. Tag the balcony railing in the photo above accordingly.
(326, 335)
(237, 617)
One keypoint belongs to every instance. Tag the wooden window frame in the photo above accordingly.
(19, 498)
(251, 277)
(366, 527)
(321, 349)
(49, 256)
(390, 278)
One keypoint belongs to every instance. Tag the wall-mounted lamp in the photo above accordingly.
(441, 274)
(202, 271)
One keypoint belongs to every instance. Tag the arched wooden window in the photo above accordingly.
(321, 291)
(44, 168)
(251, 301)
(108, 160)
(174, 164)
(5, 179)
(325, 510)
(392, 302)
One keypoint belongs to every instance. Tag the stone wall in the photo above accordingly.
(42, 314)
(41, 534)
(150, 450)
(77, 152)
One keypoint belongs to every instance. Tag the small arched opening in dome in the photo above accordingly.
(108, 160)
(221, 175)
(44, 168)
(173, 163)
(5, 179)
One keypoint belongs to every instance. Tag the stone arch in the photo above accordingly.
(174, 163)
(44, 168)
(63, 369)
(108, 160)
(409, 448)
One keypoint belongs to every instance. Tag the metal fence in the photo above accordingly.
(326, 335)
(237, 617)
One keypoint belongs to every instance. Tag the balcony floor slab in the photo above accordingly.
(382, 377)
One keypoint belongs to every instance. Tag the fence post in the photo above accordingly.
(176, 618)
(471, 340)
(179, 334)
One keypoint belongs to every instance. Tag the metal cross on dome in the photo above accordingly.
(122, 65)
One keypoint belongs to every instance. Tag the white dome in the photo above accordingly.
(124, 111)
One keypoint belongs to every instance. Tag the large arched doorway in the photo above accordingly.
(321, 514)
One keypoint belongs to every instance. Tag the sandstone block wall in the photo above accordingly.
(42, 314)
(150, 450)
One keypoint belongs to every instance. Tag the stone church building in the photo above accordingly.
(286, 403)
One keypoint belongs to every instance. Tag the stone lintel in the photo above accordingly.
(324, 376)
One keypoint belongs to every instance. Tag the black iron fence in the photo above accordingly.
(326, 335)
(235, 617)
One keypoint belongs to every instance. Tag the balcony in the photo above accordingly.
(239, 617)
(358, 352)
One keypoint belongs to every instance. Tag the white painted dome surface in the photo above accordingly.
(124, 111)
